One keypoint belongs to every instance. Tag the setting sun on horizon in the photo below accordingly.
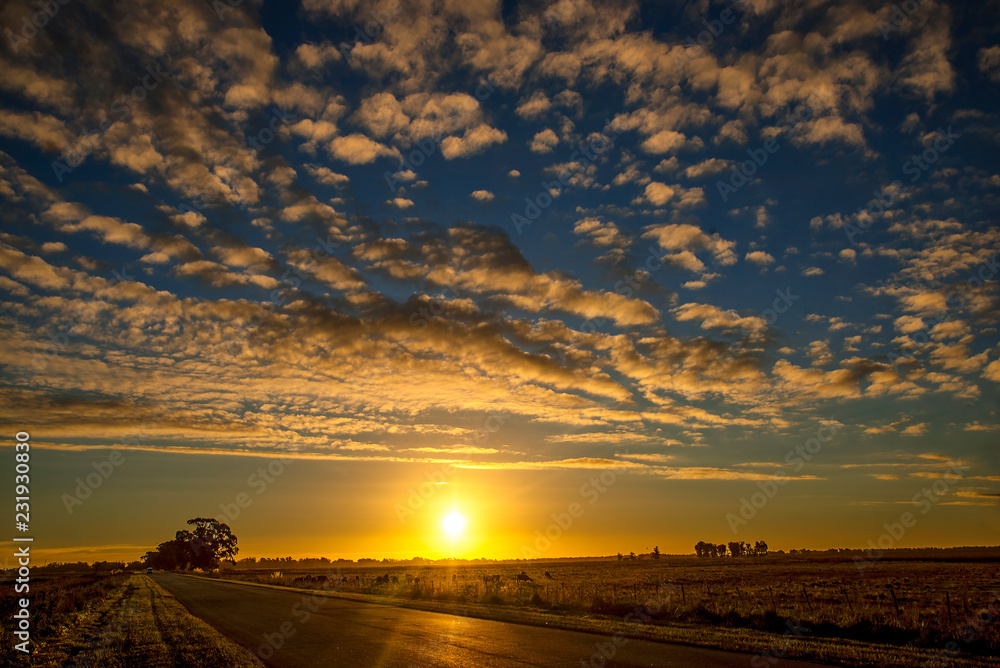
(453, 523)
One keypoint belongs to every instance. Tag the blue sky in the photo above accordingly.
(533, 240)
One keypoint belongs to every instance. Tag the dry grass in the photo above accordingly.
(896, 613)
(125, 621)
(57, 604)
(149, 628)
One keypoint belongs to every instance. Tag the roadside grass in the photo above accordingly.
(57, 605)
(894, 615)
(148, 627)
(113, 621)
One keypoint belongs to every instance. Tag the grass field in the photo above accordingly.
(56, 604)
(896, 613)
(115, 621)
(913, 608)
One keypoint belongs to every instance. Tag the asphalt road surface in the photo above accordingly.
(310, 631)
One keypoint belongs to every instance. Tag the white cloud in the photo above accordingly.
(663, 142)
(472, 142)
(357, 149)
(601, 234)
(544, 141)
(658, 194)
(759, 258)
(535, 107)
(682, 241)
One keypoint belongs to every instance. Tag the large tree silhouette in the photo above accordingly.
(210, 542)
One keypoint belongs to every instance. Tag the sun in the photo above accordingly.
(453, 523)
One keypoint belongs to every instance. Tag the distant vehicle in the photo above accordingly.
(149, 570)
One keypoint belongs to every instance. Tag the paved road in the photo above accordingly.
(321, 631)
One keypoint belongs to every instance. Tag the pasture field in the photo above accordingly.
(951, 608)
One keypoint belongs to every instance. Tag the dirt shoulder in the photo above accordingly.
(140, 624)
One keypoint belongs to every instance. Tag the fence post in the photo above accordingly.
(895, 603)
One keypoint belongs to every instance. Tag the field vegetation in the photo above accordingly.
(57, 603)
(932, 607)
(113, 621)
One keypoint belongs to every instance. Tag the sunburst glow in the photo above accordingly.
(453, 523)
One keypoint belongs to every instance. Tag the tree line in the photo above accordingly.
(210, 542)
(733, 549)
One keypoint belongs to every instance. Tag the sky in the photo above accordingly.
(595, 276)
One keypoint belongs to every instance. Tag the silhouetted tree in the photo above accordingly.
(722, 549)
(735, 549)
(210, 542)
(656, 552)
(170, 555)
